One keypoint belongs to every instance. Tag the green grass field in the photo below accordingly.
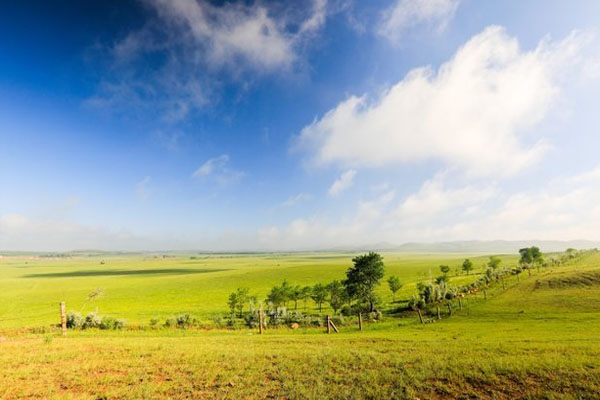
(538, 338)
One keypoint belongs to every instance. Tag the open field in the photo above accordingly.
(139, 288)
(532, 340)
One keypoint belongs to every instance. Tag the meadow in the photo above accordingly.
(536, 338)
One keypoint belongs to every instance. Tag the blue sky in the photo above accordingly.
(257, 125)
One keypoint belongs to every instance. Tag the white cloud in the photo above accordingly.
(211, 165)
(217, 168)
(564, 209)
(232, 31)
(344, 182)
(405, 14)
(195, 47)
(433, 199)
(473, 113)
(317, 19)
(299, 198)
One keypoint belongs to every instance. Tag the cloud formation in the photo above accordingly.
(176, 61)
(218, 169)
(342, 183)
(405, 14)
(473, 113)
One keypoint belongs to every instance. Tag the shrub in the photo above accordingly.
(346, 310)
(74, 320)
(92, 320)
(108, 323)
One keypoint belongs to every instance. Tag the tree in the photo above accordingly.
(295, 295)
(276, 296)
(363, 277)
(467, 266)
(242, 296)
(395, 284)
(336, 295)
(286, 292)
(445, 269)
(233, 302)
(494, 262)
(530, 256)
(305, 294)
(319, 294)
(237, 300)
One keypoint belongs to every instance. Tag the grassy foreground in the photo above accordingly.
(536, 339)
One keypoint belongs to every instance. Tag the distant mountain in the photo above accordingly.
(496, 246)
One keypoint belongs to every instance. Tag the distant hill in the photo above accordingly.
(495, 246)
(465, 246)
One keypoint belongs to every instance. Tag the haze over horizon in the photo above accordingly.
(189, 124)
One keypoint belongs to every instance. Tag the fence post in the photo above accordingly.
(63, 317)
(360, 322)
(260, 322)
(484, 294)
(328, 323)
(459, 303)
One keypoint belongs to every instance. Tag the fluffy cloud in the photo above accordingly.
(433, 199)
(344, 182)
(218, 169)
(567, 208)
(473, 113)
(405, 14)
(173, 62)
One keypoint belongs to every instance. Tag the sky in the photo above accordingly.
(312, 124)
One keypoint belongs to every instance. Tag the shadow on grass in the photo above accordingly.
(124, 272)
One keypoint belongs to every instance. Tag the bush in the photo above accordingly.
(74, 320)
(108, 323)
(92, 320)
(346, 311)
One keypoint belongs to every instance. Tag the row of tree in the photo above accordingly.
(357, 291)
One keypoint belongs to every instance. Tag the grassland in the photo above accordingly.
(536, 339)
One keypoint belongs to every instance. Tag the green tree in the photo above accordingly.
(467, 266)
(494, 262)
(286, 292)
(336, 295)
(276, 296)
(531, 256)
(295, 295)
(363, 277)
(395, 285)
(233, 302)
(242, 298)
(444, 269)
(319, 294)
(305, 294)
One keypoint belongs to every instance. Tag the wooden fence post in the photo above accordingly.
(360, 322)
(420, 315)
(484, 294)
(260, 322)
(328, 323)
(63, 317)
(459, 303)
(449, 308)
